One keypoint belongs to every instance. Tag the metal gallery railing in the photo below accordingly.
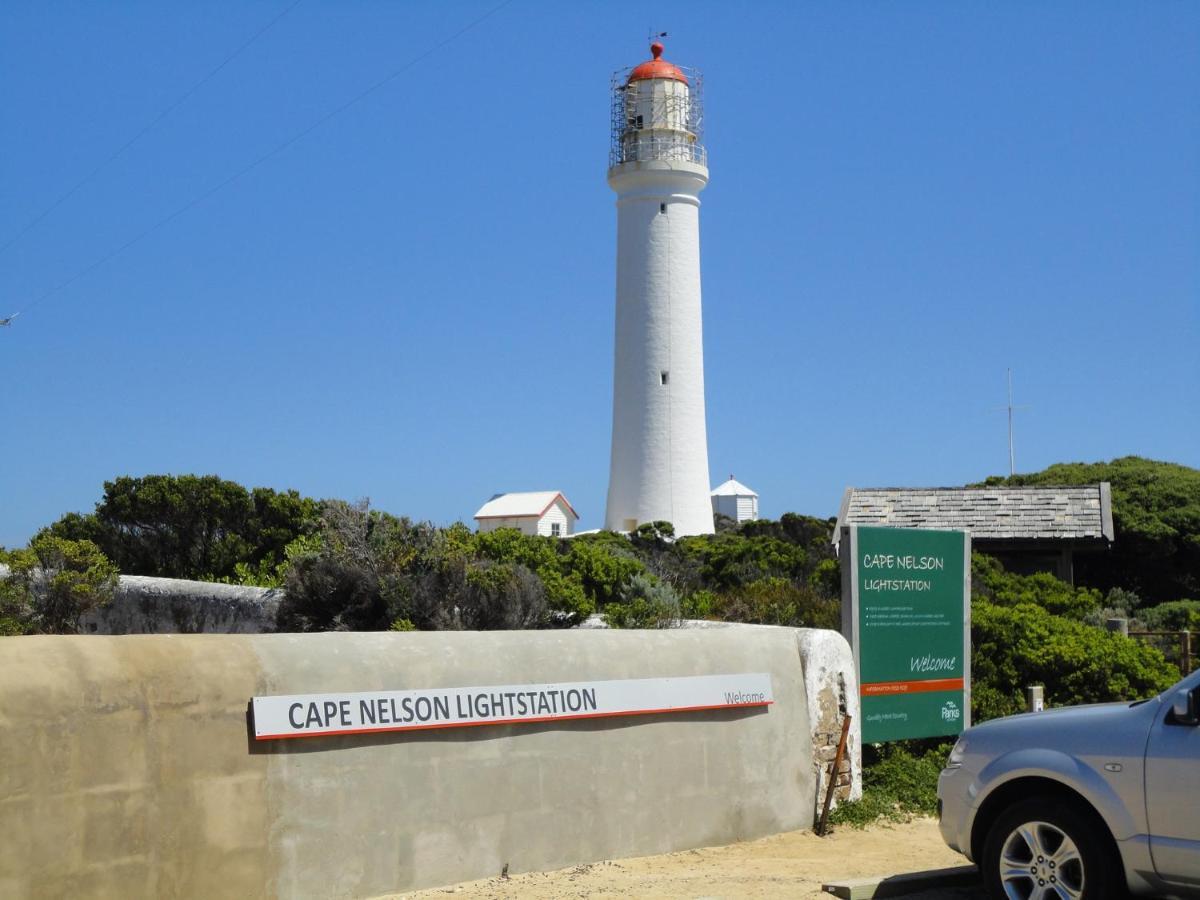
(639, 147)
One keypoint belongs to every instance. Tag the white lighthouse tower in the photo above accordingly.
(658, 167)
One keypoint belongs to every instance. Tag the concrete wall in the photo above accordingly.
(129, 769)
(831, 686)
(145, 605)
(831, 692)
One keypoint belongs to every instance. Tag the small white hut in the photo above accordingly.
(534, 512)
(735, 501)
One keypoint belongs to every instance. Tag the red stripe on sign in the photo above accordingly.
(876, 688)
(605, 715)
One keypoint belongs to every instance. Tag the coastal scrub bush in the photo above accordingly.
(1022, 645)
(1179, 615)
(645, 603)
(991, 582)
(605, 563)
(899, 783)
(190, 526)
(326, 593)
(1156, 517)
(778, 601)
(52, 583)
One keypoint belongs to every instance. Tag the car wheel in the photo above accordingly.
(1047, 849)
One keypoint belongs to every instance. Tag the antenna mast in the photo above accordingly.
(1012, 469)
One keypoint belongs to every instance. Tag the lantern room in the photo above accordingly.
(657, 113)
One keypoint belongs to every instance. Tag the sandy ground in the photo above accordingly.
(792, 865)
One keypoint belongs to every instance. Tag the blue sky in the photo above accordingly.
(414, 302)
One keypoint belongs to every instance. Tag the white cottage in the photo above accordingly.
(735, 501)
(534, 512)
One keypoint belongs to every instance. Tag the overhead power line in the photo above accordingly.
(270, 154)
(146, 129)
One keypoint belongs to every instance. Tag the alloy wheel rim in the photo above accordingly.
(1040, 860)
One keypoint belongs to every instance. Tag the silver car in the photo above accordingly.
(1081, 802)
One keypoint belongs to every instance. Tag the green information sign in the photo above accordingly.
(906, 611)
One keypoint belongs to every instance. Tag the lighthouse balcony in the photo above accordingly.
(644, 147)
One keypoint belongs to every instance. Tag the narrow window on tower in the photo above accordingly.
(662, 207)
(663, 376)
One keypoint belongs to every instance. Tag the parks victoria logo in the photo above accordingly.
(951, 712)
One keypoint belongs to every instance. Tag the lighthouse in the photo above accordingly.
(658, 167)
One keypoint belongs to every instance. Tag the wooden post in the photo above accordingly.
(833, 775)
(1185, 653)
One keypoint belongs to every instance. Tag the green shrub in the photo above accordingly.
(1022, 645)
(1179, 615)
(645, 603)
(991, 582)
(777, 601)
(699, 605)
(329, 593)
(499, 596)
(604, 563)
(899, 783)
(1156, 517)
(191, 526)
(566, 598)
(826, 578)
(52, 583)
(732, 560)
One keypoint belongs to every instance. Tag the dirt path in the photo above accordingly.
(792, 865)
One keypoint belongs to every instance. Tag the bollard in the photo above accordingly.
(1033, 698)
(1119, 625)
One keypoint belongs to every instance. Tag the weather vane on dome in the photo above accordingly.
(652, 35)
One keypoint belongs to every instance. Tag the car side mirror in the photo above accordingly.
(1184, 708)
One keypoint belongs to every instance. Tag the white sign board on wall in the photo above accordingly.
(313, 715)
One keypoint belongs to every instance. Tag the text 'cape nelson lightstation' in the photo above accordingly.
(312, 715)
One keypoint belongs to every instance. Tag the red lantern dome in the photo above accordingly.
(656, 68)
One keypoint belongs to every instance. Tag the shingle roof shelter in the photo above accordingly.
(1030, 528)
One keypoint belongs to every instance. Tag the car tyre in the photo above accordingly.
(1049, 848)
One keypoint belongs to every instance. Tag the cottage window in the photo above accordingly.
(556, 529)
